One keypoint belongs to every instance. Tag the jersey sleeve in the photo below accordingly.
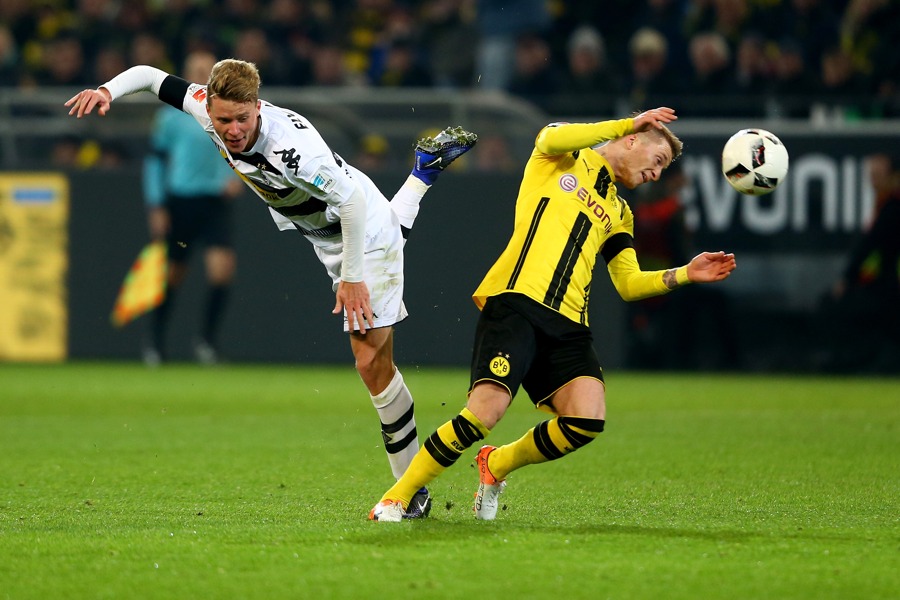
(141, 78)
(561, 138)
(634, 284)
(326, 174)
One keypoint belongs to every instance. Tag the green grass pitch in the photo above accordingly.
(255, 482)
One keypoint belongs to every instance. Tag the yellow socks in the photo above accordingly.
(547, 441)
(440, 450)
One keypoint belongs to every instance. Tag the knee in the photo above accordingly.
(489, 401)
(375, 371)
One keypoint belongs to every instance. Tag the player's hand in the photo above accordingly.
(353, 298)
(710, 266)
(656, 117)
(84, 102)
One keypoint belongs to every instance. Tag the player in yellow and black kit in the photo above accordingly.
(533, 329)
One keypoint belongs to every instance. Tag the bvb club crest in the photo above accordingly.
(500, 365)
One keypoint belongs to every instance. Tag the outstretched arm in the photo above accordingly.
(634, 284)
(707, 267)
(135, 79)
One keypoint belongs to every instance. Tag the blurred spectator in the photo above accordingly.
(133, 17)
(753, 68)
(328, 66)
(502, 23)
(535, 77)
(252, 45)
(650, 81)
(711, 62)
(860, 315)
(729, 18)
(473, 43)
(109, 62)
(794, 82)
(842, 86)
(813, 24)
(291, 29)
(615, 20)
(364, 24)
(668, 18)
(449, 38)
(9, 58)
(590, 85)
(870, 30)
(401, 67)
(64, 62)
(149, 49)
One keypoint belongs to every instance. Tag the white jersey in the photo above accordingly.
(297, 175)
(293, 170)
(306, 186)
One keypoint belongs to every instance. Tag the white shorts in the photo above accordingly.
(382, 272)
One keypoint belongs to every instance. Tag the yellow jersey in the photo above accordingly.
(568, 211)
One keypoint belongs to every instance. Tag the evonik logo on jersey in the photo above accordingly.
(595, 207)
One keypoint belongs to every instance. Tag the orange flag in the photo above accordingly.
(144, 287)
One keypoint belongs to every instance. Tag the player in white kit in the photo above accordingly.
(356, 232)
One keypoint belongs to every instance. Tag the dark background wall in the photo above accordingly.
(280, 309)
(790, 245)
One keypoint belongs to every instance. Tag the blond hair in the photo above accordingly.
(674, 143)
(234, 80)
(665, 133)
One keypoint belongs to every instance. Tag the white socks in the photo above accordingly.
(405, 202)
(398, 424)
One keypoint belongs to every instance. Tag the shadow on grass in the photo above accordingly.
(425, 532)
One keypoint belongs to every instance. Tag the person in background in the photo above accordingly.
(188, 190)
(860, 315)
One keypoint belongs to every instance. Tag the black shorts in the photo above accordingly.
(197, 219)
(519, 341)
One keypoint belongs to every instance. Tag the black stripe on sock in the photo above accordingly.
(465, 431)
(577, 439)
(439, 451)
(399, 423)
(543, 442)
(400, 445)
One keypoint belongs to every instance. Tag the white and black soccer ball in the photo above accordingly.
(754, 161)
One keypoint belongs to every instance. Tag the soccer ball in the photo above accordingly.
(754, 161)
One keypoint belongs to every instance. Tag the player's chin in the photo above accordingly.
(235, 146)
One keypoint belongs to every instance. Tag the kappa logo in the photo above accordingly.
(290, 158)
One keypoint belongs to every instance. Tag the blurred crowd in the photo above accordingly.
(569, 57)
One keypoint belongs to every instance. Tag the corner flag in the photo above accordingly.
(144, 287)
